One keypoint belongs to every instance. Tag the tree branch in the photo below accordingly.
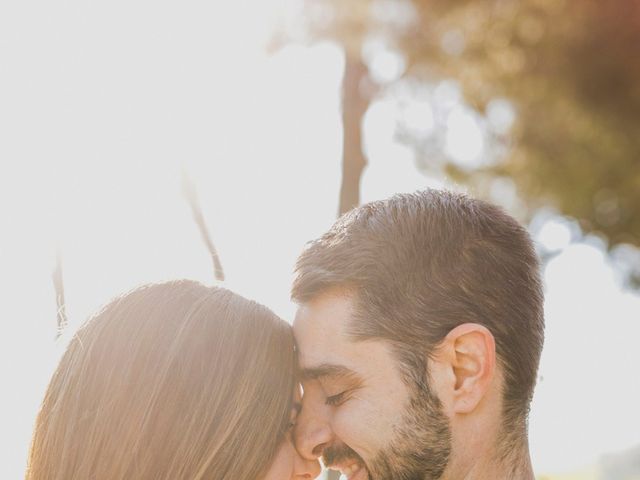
(191, 195)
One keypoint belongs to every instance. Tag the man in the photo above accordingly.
(419, 329)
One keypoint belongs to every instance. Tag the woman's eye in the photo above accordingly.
(334, 400)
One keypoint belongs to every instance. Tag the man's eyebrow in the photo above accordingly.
(327, 370)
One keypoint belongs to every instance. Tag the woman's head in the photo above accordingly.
(173, 380)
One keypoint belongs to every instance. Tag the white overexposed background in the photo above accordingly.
(104, 106)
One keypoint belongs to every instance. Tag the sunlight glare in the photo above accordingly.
(554, 235)
(385, 64)
(500, 115)
(464, 141)
(591, 336)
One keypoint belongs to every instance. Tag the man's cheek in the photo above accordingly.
(356, 429)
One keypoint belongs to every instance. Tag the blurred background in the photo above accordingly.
(132, 131)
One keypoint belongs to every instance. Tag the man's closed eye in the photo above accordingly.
(338, 399)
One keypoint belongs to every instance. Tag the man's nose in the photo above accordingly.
(313, 430)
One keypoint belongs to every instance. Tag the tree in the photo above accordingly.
(354, 106)
(570, 69)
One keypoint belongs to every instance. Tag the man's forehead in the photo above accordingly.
(325, 347)
(320, 329)
(316, 352)
(330, 311)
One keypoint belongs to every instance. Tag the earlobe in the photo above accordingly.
(473, 362)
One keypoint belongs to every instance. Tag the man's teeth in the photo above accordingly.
(351, 469)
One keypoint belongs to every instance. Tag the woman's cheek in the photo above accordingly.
(282, 465)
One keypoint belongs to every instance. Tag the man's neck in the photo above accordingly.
(517, 467)
(513, 465)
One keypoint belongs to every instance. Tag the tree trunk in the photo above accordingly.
(354, 105)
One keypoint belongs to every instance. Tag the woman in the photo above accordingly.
(173, 381)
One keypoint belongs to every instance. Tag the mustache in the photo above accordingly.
(336, 454)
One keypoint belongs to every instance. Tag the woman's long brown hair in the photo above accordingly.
(170, 381)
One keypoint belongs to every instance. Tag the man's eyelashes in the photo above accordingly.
(335, 400)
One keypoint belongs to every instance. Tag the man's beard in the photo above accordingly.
(419, 449)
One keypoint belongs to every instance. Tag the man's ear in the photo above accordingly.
(470, 352)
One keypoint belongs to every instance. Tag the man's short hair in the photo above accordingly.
(421, 264)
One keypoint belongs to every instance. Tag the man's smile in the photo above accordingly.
(352, 469)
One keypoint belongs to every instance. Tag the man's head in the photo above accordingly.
(426, 309)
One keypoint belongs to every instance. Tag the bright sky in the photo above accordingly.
(102, 106)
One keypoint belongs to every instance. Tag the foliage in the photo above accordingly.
(571, 69)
